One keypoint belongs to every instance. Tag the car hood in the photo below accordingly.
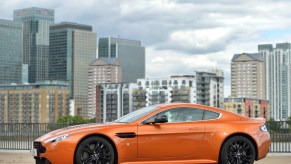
(76, 129)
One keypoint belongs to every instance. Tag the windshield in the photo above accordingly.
(133, 116)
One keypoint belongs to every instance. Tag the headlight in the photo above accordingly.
(58, 138)
(263, 128)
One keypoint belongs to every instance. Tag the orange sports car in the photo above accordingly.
(159, 134)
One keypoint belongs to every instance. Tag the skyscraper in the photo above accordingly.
(101, 71)
(247, 76)
(10, 52)
(72, 49)
(130, 53)
(35, 23)
(277, 65)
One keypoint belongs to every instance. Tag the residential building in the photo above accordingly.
(101, 71)
(72, 49)
(249, 107)
(247, 75)
(41, 102)
(277, 66)
(210, 88)
(113, 101)
(152, 91)
(10, 52)
(35, 24)
(130, 53)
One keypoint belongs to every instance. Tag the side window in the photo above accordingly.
(182, 114)
(208, 115)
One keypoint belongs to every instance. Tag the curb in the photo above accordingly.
(278, 154)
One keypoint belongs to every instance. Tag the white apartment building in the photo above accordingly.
(152, 91)
(210, 88)
(113, 100)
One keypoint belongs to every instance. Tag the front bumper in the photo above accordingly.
(264, 143)
(56, 153)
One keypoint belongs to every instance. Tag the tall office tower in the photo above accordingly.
(41, 102)
(247, 76)
(130, 53)
(164, 90)
(72, 49)
(277, 66)
(101, 71)
(10, 52)
(35, 23)
(210, 88)
(114, 101)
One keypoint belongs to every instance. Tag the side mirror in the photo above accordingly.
(161, 119)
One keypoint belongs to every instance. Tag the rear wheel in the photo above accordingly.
(95, 150)
(237, 150)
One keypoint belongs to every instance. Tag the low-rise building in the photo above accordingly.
(249, 107)
(42, 102)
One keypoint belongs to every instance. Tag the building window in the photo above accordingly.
(239, 110)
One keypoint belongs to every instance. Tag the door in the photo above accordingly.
(179, 138)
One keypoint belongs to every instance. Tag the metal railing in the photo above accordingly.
(280, 132)
(20, 136)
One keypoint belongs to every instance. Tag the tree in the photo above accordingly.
(273, 125)
(74, 120)
(289, 123)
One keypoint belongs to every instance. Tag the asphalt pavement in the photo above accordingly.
(23, 157)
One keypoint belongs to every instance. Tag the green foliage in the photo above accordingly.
(74, 120)
(289, 123)
(273, 125)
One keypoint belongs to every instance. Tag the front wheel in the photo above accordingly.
(95, 150)
(237, 150)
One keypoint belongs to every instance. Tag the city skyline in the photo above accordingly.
(180, 36)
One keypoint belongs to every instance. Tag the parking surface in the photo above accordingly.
(23, 157)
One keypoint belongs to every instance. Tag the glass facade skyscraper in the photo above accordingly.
(130, 53)
(277, 66)
(72, 49)
(10, 52)
(35, 23)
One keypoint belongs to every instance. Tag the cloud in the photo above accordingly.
(201, 40)
(180, 36)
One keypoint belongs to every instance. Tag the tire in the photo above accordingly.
(41, 161)
(95, 150)
(237, 150)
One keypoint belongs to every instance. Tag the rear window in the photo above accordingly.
(208, 115)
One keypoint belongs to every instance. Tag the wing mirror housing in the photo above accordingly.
(161, 119)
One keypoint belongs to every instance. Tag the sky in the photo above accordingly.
(180, 36)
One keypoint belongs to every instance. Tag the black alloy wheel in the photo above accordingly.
(95, 150)
(237, 150)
